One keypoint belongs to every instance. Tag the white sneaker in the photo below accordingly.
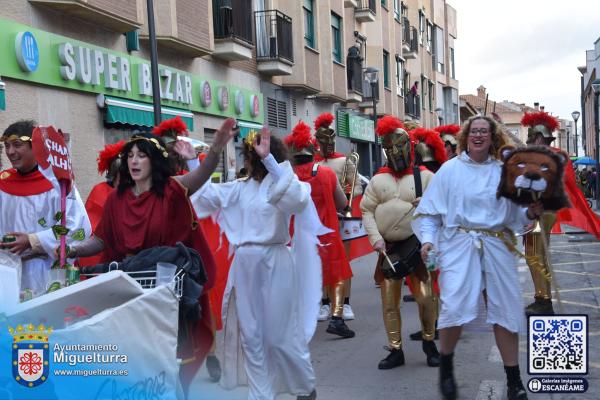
(348, 314)
(324, 312)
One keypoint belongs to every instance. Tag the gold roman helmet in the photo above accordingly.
(395, 142)
(324, 135)
(540, 123)
(300, 142)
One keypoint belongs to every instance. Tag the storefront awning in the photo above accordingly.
(246, 127)
(2, 97)
(140, 114)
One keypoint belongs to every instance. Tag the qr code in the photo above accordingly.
(557, 344)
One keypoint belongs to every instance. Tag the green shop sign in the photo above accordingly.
(355, 127)
(37, 56)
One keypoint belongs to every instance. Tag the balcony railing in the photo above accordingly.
(233, 19)
(412, 105)
(273, 36)
(405, 30)
(367, 5)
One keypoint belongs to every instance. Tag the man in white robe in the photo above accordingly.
(29, 203)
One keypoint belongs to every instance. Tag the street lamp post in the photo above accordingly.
(153, 63)
(371, 76)
(596, 88)
(575, 115)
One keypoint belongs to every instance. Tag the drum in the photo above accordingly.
(351, 228)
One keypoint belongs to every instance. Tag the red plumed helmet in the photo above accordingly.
(323, 120)
(108, 155)
(433, 141)
(171, 127)
(540, 118)
(387, 125)
(300, 138)
(447, 129)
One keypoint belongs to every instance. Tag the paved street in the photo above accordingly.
(347, 369)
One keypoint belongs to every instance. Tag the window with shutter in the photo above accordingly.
(282, 115)
(272, 112)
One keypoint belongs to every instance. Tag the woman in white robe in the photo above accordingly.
(461, 217)
(272, 296)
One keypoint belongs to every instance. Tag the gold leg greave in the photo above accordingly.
(390, 304)
(347, 288)
(537, 258)
(428, 305)
(336, 296)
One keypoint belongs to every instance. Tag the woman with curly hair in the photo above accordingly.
(461, 217)
(272, 297)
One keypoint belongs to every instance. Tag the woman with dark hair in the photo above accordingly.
(461, 216)
(151, 208)
(272, 297)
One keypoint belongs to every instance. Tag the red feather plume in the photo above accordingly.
(387, 125)
(107, 156)
(447, 129)
(433, 140)
(324, 119)
(300, 137)
(174, 124)
(540, 118)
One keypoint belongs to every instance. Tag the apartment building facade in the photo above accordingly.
(590, 72)
(264, 62)
(84, 66)
(335, 41)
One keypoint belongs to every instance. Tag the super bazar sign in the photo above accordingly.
(97, 67)
(33, 55)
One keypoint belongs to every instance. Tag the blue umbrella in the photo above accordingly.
(585, 161)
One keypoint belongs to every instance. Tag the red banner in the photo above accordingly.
(50, 149)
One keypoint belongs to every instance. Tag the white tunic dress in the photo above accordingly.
(272, 297)
(460, 202)
(24, 213)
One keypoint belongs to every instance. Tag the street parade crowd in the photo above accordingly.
(276, 244)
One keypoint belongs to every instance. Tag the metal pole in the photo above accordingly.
(154, 63)
(576, 142)
(597, 193)
(377, 146)
(567, 133)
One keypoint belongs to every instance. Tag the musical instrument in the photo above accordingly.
(350, 227)
(352, 160)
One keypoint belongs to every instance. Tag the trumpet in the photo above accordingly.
(350, 167)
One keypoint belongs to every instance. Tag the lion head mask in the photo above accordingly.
(533, 173)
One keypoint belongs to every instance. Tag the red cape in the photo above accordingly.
(94, 206)
(130, 224)
(219, 246)
(336, 267)
(580, 214)
(30, 184)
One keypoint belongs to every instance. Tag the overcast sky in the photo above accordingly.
(525, 50)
